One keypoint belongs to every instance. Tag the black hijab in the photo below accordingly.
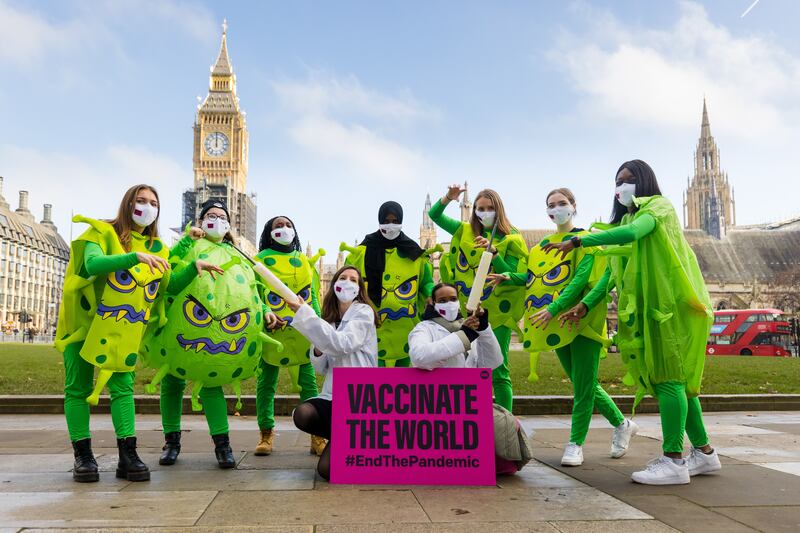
(268, 242)
(377, 244)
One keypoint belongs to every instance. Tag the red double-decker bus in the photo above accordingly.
(750, 332)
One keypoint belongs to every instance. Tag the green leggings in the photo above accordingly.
(215, 406)
(501, 376)
(267, 384)
(581, 361)
(679, 414)
(405, 362)
(78, 384)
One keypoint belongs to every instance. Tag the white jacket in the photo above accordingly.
(354, 343)
(432, 346)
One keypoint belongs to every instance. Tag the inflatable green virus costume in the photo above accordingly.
(665, 314)
(405, 285)
(504, 302)
(297, 271)
(213, 335)
(107, 303)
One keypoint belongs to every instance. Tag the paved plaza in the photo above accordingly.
(757, 490)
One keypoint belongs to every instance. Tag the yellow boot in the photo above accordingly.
(265, 443)
(317, 445)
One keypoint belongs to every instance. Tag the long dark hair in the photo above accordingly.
(123, 223)
(267, 241)
(330, 304)
(646, 185)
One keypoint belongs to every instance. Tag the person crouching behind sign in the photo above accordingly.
(345, 336)
(445, 340)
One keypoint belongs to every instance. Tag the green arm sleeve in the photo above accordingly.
(314, 294)
(182, 247)
(450, 225)
(509, 263)
(182, 278)
(96, 263)
(426, 283)
(516, 278)
(572, 292)
(634, 231)
(599, 292)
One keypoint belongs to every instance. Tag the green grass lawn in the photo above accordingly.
(38, 369)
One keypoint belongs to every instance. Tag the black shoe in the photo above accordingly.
(85, 469)
(222, 449)
(172, 447)
(130, 466)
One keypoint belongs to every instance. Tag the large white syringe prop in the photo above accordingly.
(272, 280)
(480, 276)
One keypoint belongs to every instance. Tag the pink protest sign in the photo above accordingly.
(411, 426)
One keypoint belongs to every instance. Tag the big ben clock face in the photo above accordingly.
(216, 144)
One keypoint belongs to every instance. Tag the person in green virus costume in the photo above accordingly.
(470, 239)
(114, 280)
(554, 284)
(665, 316)
(280, 252)
(399, 280)
(212, 337)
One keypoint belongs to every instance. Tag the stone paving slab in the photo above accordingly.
(187, 461)
(493, 527)
(226, 480)
(291, 458)
(540, 505)
(313, 507)
(57, 482)
(685, 515)
(193, 529)
(101, 509)
(768, 519)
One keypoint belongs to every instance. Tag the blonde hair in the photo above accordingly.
(561, 190)
(504, 227)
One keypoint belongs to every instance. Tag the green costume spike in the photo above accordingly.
(406, 285)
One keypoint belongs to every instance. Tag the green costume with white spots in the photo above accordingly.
(504, 302)
(212, 337)
(297, 271)
(406, 284)
(107, 302)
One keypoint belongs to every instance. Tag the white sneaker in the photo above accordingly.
(701, 463)
(663, 471)
(622, 438)
(573, 455)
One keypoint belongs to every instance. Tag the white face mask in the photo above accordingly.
(283, 235)
(486, 217)
(391, 231)
(216, 229)
(448, 310)
(625, 193)
(561, 214)
(144, 214)
(345, 290)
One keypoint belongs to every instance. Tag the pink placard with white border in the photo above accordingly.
(412, 426)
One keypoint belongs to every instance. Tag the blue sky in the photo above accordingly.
(353, 103)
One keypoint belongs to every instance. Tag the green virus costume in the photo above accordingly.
(213, 335)
(556, 283)
(405, 286)
(664, 313)
(504, 302)
(107, 302)
(297, 271)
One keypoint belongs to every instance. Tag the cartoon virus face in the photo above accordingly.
(213, 328)
(467, 261)
(123, 311)
(297, 272)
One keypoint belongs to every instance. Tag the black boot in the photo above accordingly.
(130, 466)
(85, 469)
(172, 447)
(222, 449)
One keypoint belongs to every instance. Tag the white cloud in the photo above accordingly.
(339, 119)
(91, 186)
(26, 36)
(657, 77)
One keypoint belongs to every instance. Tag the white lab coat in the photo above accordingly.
(353, 344)
(432, 346)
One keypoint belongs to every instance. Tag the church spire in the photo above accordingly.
(222, 77)
(705, 126)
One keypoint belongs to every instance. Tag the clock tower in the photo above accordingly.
(220, 153)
